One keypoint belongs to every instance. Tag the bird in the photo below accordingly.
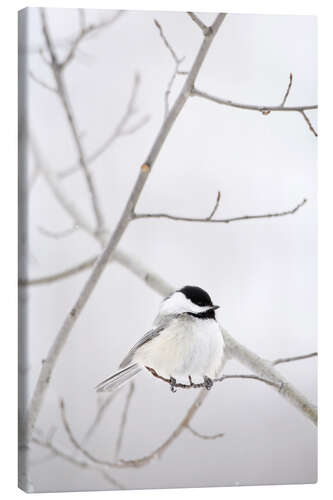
(185, 341)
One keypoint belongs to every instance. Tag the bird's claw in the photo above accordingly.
(173, 382)
(208, 383)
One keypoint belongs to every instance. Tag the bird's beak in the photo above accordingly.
(213, 308)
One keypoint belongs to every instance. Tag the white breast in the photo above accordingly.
(188, 346)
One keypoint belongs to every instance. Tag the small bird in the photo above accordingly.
(185, 341)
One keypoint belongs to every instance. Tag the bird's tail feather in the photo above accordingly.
(119, 378)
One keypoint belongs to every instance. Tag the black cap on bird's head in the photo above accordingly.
(201, 298)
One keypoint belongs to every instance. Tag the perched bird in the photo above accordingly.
(185, 341)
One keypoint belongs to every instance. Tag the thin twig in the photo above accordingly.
(57, 452)
(204, 436)
(251, 107)
(120, 130)
(224, 221)
(126, 217)
(294, 358)
(176, 71)
(307, 119)
(288, 90)
(167, 44)
(202, 26)
(216, 206)
(193, 385)
(67, 273)
(57, 234)
(124, 419)
(84, 32)
(42, 83)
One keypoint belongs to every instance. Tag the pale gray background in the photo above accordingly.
(262, 273)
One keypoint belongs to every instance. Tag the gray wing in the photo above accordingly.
(146, 338)
(155, 332)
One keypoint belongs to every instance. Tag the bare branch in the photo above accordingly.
(205, 29)
(251, 107)
(64, 98)
(119, 131)
(84, 32)
(120, 464)
(288, 90)
(176, 71)
(42, 83)
(193, 385)
(166, 43)
(204, 436)
(224, 221)
(307, 119)
(124, 418)
(125, 219)
(67, 273)
(57, 452)
(216, 206)
(265, 369)
(57, 234)
(294, 358)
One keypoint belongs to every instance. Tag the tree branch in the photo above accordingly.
(225, 221)
(198, 22)
(129, 261)
(307, 119)
(126, 217)
(67, 273)
(84, 32)
(216, 206)
(42, 83)
(176, 71)
(201, 385)
(204, 436)
(265, 369)
(288, 90)
(57, 235)
(294, 358)
(251, 107)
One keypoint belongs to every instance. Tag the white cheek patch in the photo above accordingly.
(177, 303)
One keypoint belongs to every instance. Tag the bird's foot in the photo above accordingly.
(173, 382)
(190, 380)
(208, 383)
